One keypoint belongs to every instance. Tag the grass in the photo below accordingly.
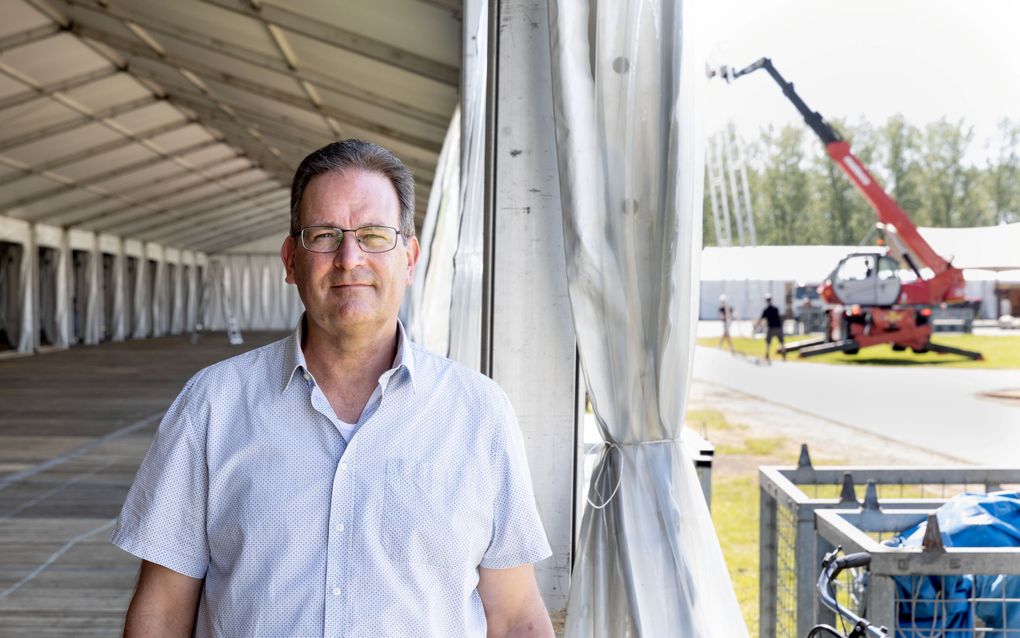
(735, 514)
(735, 497)
(1000, 352)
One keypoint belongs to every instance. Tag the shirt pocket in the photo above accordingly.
(431, 518)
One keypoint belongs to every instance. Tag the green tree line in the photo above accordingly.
(799, 196)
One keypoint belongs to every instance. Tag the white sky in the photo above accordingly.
(850, 59)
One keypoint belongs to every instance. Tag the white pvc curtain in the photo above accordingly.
(28, 335)
(94, 308)
(250, 288)
(443, 307)
(160, 298)
(428, 301)
(648, 562)
(120, 325)
(466, 303)
(141, 312)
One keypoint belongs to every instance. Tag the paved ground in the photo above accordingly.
(940, 412)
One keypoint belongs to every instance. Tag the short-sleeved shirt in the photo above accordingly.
(771, 317)
(250, 484)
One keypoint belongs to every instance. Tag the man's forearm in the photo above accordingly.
(164, 604)
(147, 623)
(536, 627)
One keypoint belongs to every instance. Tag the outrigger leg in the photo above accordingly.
(794, 347)
(941, 349)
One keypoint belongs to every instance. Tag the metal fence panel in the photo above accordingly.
(790, 547)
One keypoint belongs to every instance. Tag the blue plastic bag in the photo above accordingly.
(967, 520)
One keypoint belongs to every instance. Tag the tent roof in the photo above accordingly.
(182, 122)
(984, 247)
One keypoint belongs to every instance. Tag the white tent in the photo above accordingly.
(988, 255)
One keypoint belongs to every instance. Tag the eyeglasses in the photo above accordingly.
(327, 239)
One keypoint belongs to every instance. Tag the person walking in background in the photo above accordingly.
(774, 327)
(726, 316)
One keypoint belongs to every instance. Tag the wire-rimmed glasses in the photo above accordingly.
(327, 239)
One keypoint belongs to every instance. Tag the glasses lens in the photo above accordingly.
(321, 239)
(376, 239)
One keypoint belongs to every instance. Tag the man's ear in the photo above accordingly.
(287, 251)
(413, 252)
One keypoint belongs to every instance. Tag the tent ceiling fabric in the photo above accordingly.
(182, 122)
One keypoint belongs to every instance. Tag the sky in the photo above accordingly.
(869, 59)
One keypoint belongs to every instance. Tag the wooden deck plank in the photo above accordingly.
(74, 426)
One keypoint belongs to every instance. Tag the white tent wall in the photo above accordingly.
(745, 274)
(95, 315)
(252, 286)
(189, 261)
(137, 285)
(120, 327)
(54, 288)
(175, 294)
(157, 283)
(428, 301)
(10, 291)
(746, 297)
(466, 304)
(85, 287)
(49, 291)
(21, 233)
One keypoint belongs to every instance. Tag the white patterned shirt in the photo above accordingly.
(250, 485)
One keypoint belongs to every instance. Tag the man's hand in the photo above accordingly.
(512, 603)
(164, 604)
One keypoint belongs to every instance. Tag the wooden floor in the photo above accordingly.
(74, 425)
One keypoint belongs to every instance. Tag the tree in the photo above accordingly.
(946, 181)
(847, 213)
(898, 164)
(782, 215)
(1002, 179)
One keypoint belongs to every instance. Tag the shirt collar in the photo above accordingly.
(294, 357)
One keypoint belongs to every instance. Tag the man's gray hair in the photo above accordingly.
(352, 154)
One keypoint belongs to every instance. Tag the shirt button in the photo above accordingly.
(340, 527)
(336, 591)
(308, 377)
(343, 465)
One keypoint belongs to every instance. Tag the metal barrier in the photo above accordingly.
(790, 552)
(982, 601)
(956, 318)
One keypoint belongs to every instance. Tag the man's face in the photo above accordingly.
(350, 289)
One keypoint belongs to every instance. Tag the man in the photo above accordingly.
(774, 327)
(726, 317)
(343, 481)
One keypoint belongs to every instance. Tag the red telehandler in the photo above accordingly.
(866, 301)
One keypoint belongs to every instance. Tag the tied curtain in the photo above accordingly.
(625, 73)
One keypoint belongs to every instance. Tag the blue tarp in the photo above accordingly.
(967, 520)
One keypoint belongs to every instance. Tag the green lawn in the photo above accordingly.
(735, 514)
(1000, 352)
(735, 497)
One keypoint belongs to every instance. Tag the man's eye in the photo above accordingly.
(323, 236)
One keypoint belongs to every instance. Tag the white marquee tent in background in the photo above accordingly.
(988, 255)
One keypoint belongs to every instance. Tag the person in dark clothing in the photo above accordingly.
(774, 327)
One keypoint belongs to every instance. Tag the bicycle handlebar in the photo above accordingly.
(860, 559)
(832, 566)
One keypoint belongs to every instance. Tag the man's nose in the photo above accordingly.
(349, 253)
